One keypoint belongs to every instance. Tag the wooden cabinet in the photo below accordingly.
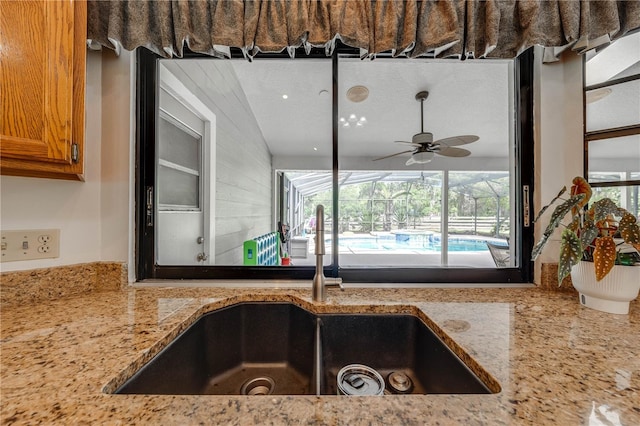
(42, 86)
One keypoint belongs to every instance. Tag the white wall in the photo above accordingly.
(95, 219)
(117, 157)
(93, 215)
(559, 136)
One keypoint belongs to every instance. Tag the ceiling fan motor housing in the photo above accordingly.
(423, 137)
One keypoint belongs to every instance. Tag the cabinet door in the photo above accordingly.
(42, 65)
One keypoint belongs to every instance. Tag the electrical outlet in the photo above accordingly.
(30, 244)
(44, 249)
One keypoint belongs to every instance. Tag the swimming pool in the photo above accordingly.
(415, 242)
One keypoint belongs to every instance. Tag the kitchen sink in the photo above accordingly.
(283, 349)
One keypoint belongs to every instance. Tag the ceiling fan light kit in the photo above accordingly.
(425, 148)
(353, 120)
(421, 157)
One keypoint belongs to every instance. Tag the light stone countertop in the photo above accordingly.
(557, 362)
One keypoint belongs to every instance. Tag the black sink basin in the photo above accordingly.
(228, 348)
(392, 344)
(269, 348)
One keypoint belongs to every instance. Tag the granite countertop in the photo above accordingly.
(556, 362)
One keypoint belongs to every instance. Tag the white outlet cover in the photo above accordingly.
(30, 244)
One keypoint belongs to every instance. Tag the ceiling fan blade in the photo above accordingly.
(457, 140)
(392, 155)
(410, 161)
(452, 152)
(408, 143)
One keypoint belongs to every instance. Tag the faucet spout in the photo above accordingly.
(319, 293)
(319, 281)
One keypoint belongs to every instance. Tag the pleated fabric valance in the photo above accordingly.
(436, 28)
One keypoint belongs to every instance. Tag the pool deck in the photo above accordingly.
(402, 257)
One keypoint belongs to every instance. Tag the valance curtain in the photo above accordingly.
(437, 28)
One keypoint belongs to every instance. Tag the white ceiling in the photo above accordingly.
(614, 61)
(465, 97)
(470, 97)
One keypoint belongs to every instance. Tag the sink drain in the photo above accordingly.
(258, 386)
(399, 382)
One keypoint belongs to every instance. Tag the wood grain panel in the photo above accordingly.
(59, 90)
(23, 70)
(79, 82)
(42, 77)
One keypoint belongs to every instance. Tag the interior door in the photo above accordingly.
(180, 177)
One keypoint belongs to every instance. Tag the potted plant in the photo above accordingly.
(598, 247)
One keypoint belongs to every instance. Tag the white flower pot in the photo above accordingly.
(611, 294)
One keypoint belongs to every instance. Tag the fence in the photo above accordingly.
(457, 225)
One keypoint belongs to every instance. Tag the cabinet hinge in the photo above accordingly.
(75, 152)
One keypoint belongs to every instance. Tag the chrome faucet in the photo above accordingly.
(319, 281)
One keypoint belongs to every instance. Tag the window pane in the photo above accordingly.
(178, 145)
(307, 190)
(624, 196)
(179, 166)
(479, 219)
(613, 106)
(390, 218)
(615, 159)
(396, 167)
(177, 189)
(290, 101)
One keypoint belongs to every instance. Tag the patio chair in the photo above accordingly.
(500, 254)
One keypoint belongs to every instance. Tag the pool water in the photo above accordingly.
(415, 242)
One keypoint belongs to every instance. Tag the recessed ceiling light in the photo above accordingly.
(357, 93)
(285, 96)
(315, 148)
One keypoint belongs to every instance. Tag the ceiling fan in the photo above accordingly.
(425, 148)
